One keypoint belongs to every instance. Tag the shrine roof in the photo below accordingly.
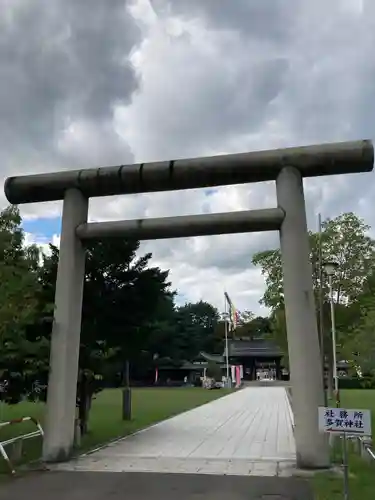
(253, 348)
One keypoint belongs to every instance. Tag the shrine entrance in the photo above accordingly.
(287, 167)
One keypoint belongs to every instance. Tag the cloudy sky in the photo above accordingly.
(87, 83)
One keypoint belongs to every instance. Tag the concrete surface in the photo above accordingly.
(66, 333)
(148, 486)
(229, 442)
(301, 326)
(248, 432)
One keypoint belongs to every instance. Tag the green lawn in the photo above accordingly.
(148, 406)
(362, 473)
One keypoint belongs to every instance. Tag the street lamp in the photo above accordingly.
(330, 269)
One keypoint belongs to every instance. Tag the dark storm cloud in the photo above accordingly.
(250, 75)
(60, 63)
(217, 95)
(229, 106)
(226, 92)
(325, 92)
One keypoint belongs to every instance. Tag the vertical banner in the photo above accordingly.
(238, 376)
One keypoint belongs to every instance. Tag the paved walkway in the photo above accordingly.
(224, 445)
(248, 432)
(149, 486)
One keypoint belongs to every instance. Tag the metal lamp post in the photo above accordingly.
(330, 269)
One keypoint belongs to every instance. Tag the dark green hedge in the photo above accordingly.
(356, 383)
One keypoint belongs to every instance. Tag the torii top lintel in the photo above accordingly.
(241, 168)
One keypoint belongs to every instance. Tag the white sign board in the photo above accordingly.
(339, 420)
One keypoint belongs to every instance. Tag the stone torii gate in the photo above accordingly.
(286, 166)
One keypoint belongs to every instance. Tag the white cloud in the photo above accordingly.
(42, 241)
(189, 78)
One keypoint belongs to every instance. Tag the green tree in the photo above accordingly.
(270, 263)
(19, 355)
(359, 347)
(18, 277)
(252, 327)
(164, 345)
(248, 326)
(196, 329)
(122, 296)
(121, 301)
(345, 241)
(277, 332)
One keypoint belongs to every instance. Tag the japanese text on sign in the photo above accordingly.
(339, 420)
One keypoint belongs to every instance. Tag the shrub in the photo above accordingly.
(356, 383)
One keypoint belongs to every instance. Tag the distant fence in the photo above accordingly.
(18, 440)
(288, 391)
(365, 447)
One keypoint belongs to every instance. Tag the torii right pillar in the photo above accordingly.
(303, 340)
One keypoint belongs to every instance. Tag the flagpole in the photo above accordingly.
(321, 305)
(226, 337)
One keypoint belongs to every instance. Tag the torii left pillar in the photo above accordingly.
(65, 340)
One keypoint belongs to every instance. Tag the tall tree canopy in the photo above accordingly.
(196, 329)
(359, 344)
(122, 297)
(251, 326)
(345, 240)
(19, 286)
(128, 311)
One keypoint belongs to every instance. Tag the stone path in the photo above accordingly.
(248, 432)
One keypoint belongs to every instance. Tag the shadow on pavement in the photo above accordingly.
(152, 486)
